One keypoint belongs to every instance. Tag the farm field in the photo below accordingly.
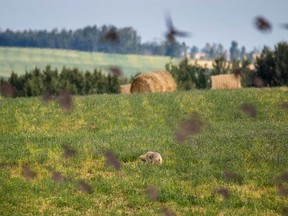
(86, 162)
(20, 60)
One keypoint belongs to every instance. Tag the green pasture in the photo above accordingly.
(236, 165)
(21, 60)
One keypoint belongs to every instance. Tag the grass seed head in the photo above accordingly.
(223, 192)
(152, 193)
(112, 160)
(65, 100)
(232, 176)
(46, 97)
(68, 151)
(284, 176)
(282, 190)
(166, 211)
(85, 187)
(8, 90)
(249, 110)
(58, 177)
(285, 211)
(190, 126)
(27, 173)
(2, 165)
(284, 106)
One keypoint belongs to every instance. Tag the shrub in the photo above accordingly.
(189, 76)
(272, 66)
(39, 82)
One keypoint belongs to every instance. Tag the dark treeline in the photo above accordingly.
(108, 39)
(50, 81)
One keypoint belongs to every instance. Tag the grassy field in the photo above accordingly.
(54, 162)
(20, 60)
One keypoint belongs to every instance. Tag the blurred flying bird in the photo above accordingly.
(115, 70)
(172, 31)
(262, 24)
(284, 25)
(112, 36)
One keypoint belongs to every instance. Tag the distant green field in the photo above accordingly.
(20, 60)
(236, 164)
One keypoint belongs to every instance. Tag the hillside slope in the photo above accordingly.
(86, 162)
(20, 60)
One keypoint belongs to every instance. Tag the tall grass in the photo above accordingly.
(235, 165)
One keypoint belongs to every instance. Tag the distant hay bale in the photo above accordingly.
(157, 81)
(125, 89)
(226, 81)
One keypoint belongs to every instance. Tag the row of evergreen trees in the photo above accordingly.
(37, 82)
(108, 39)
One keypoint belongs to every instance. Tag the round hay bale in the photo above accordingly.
(157, 81)
(125, 89)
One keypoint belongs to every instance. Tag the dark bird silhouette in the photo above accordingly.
(172, 31)
(112, 36)
(262, 24)
(284, 25)
(115, 70)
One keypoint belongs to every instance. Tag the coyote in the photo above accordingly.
(152, 158)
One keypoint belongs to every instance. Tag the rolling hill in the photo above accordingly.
(20, 60)
(233, 161)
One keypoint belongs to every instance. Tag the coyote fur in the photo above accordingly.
(152, 158)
